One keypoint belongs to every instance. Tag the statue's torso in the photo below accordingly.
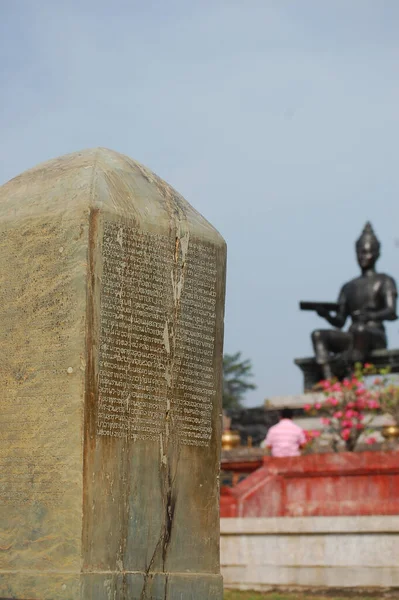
(366, 293)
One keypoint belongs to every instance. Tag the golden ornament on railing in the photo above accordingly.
(390, 432)
(230, 439)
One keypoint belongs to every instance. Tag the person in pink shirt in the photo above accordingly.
(286, 438)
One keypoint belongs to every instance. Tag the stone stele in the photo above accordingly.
(111, 331)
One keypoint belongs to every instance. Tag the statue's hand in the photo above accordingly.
(363, 315)
(324, 313)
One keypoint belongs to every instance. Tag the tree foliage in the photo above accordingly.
(237, 374)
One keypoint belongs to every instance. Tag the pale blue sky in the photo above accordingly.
(277, 119)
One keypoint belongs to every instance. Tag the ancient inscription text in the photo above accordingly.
(156, 346)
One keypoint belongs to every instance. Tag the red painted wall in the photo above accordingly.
(347, 483)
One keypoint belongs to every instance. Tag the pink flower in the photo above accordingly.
(350, 405)
(325, 421)
(307, 407)
(347, 423)
(371, 440)
(359, 426)
(311, 435)
(325, 384)
(345, 434)
(336, 387)
(349, 414)
(346, 383)
(367, 365)
(373, 404)
(317, 405)
(338, 415)
(333, 401)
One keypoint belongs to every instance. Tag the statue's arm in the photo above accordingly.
(388, 313)
(339, 319)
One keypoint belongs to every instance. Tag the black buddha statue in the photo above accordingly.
(368, 300)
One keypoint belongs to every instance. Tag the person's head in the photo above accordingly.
(287, 413)
(367, 248)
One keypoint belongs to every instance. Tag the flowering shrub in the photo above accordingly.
(389, 398)
(310, 436)
(343, 413)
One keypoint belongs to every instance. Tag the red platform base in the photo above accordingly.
(347, 483)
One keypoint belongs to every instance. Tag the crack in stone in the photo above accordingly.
(167, 480)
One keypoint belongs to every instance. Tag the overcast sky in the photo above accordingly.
(277, 119)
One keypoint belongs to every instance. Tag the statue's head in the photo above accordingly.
(367, 248)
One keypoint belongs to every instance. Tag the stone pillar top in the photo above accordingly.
(100, 179)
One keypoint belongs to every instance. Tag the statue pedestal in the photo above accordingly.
(312, 373)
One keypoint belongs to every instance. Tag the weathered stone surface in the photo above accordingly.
(327, 552)
(111, 329)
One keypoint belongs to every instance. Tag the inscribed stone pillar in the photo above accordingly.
(111, 330)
